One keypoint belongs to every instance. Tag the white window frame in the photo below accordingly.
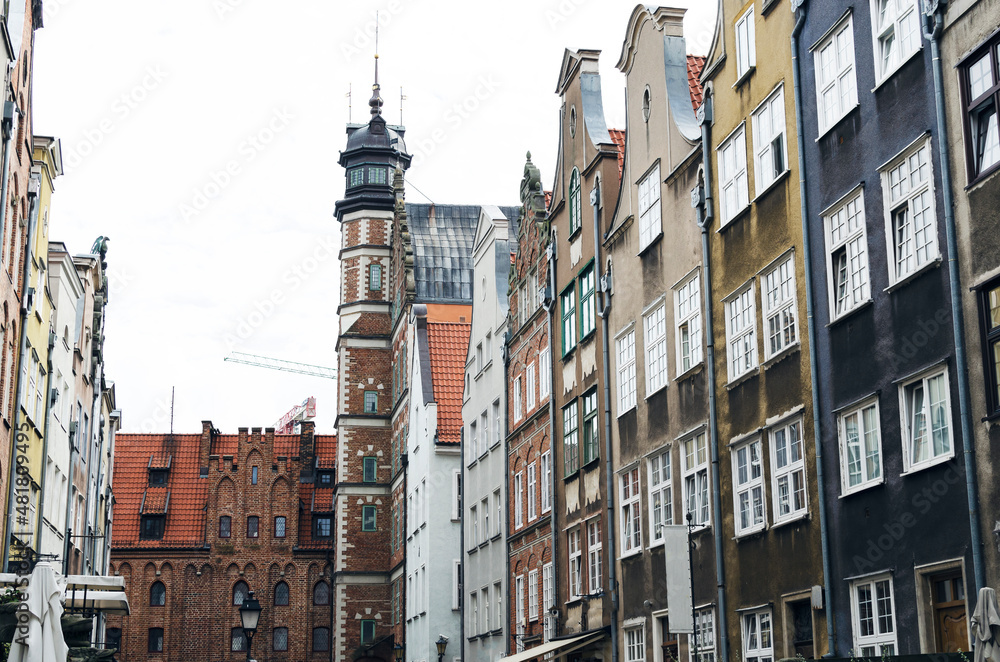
(529, 381)
(749, 491)
(518, 411)
(758, 635)
(545, 469)
(654, 326)
(694, 472)
(474, 612)
(474, 534)
(906, 415)
(631, 513)
(498, 422)
(532, 508)
(770, 140)
(635, 643)
(533, 595)
(498, 595)
(857, 448)
(548, 599)
(784, 470)
(836, 75)
(588, 300)
(544, 373)
(847, 235)
(456, 495)
(484, 437)
(484, 506)
(746, 44)
(704, 630)
(741, 332)
(650, 220)
(901, 196)
(625, 355)
(518, 500)
(661, 495)
(519, 596)
(734, 194)
(880, 636)
(780, 304)
(905, 10)
(575, 563)
(687, 320)
(595, 548)
(498, 504)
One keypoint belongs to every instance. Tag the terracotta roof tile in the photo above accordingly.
(322, 500)
(449, 346)
(155, 501)
(618, 138)
(695, 64)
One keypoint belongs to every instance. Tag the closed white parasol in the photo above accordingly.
(986, 627)
(39, 636)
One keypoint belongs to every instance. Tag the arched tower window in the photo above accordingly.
(281, 594)
(321, 594)
(157, 594)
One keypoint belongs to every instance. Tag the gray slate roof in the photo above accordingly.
(442, 237)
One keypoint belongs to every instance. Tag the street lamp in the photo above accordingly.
(249, 615)
(397, 652)
(441, 644)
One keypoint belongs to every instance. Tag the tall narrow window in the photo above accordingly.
(240, 592)
(375, 277)
(587, 302)
(631, 515)
(367, 631)
(499, 615)
(497, 423)
(847, 255)
(484, 433)
(769, 140)
(370, 469)
(368, 522)
(157, 594)
(625, 347)
(575, 564)
(910, 214)
(545, 468)
(533, 595)
(253, 526)
(591, 438)
(990, 324)
(321, 640)
(281, 594)
(741, 333)
(926, 409)
(279, 526)
(519, 597)
(321, 594)
(279, 639)
(650, 223)
(544, 373)
(746, 47)
(575, 214)
(571, 439)
(873, 616)
(694, 456)
(788, 472)
(498, 507)
(595, 547)
(661, 495)
(704, 632)
(484, 506)
(655, 337)
(635, 644)
(518, 500)
(529, 382)
(548, 594)
(860, 447)
(371, 402)
(253, 475)
(732, 155)
(758, 645)
(225, 526)
(687, 316)
(155, 640)
(981, 96)
(518, 409)
(748, 487)
(836, 87)
(779, 308)
(568, 304)
(896, 34)
(532, 508)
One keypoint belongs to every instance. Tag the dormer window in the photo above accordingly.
(158, 477)
(151, 527)
(356, 177)
(324, 478)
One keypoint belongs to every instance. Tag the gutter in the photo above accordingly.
(811, 322)
(603, 292)
(23, 342)
(703, 201)
(933, 35)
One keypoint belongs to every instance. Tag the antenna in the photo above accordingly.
(172, 391)
(349, 102)
(402, 98)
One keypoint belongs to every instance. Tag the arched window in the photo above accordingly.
(574, 201)
(240, 592)
(157, 594)
(281, 594)
(321, 594)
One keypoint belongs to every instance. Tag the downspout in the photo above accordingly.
(550, 252)
(957, 318)
(47, 418)
(603, 291)
(329, 569)
(73, 453)
(810, 318)
(705, 222)
(461, 538)
(18, 416)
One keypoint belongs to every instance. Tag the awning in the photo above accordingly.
(559, 647)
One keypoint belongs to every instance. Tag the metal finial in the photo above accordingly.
(376, 100)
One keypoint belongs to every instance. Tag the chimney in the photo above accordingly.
(205, 446)
(307, 452)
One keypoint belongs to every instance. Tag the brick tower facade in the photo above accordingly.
(362, 536)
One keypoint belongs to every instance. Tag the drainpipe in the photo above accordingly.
(705, 222)
(550, 252)
(933, 35)
(603, 292)
(461, 538)
(18, 416)
(45, 434)
(73, 453)
(813, 368)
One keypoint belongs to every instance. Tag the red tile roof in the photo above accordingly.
(155, 501)
(695, 64)
(449, 346)
(618, 138)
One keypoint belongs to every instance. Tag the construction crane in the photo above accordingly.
(289, 423)
(281, 364)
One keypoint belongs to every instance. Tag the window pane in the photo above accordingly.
(238, 641)
(281, 594)
(240, 593)
(321, 594)
(993, 304)
(279, 526)
(980, 77)
(280, 639)
(321, 639)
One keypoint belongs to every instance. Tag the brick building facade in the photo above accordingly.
(202, 519)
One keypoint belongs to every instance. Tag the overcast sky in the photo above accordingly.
(202, 137)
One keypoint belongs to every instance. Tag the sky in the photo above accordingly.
(202, 137)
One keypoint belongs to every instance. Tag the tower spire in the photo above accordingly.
(376, 100)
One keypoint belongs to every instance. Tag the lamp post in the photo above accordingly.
(249, 615)
(397, 652)
(441, 644)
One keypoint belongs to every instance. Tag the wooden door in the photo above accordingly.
(951, 624)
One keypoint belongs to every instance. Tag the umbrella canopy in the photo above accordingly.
(40, 639)
(986, 627)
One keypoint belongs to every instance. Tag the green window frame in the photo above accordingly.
(574, 202)
(375, 277)
(356, 177)
(371, 402)
(588, 321)
(369, 518)
(571, 439)
(367, 631)
(591, 438)
(568, 304)
(376, 175)
(370, 469)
